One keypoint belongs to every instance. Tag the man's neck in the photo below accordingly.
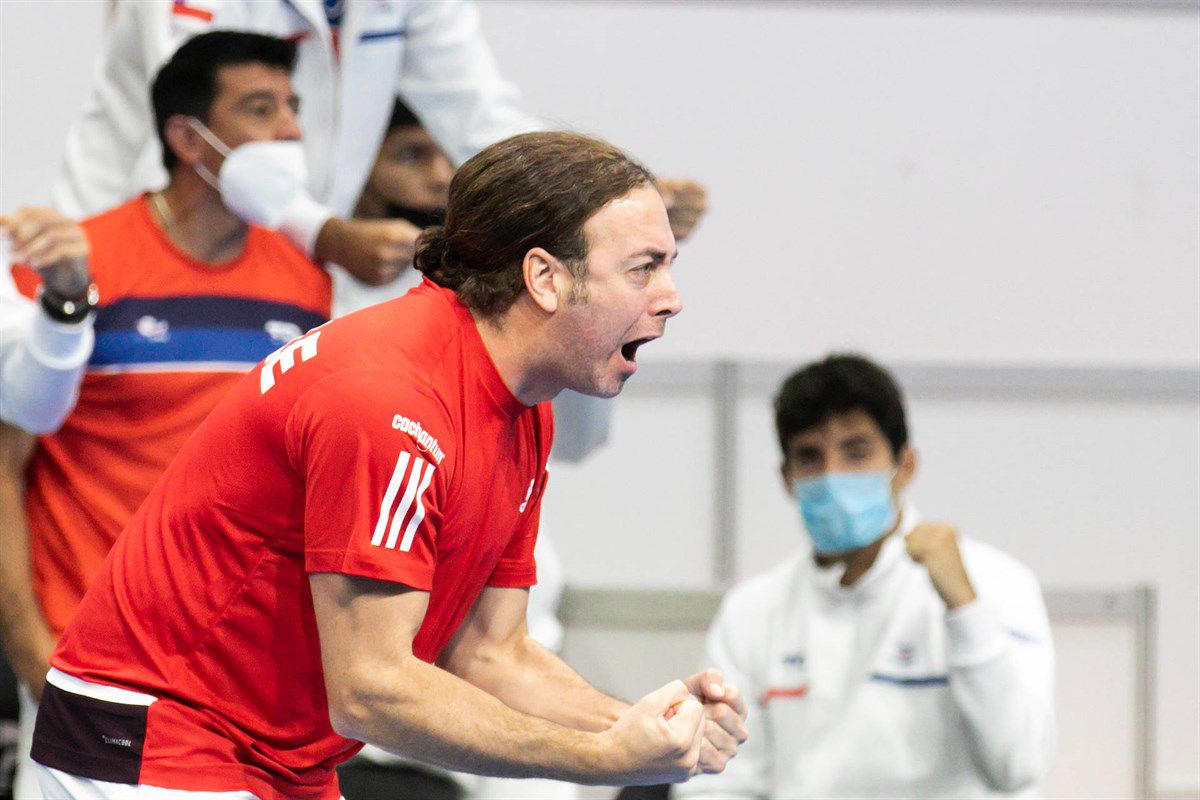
(858, 562)
(370, 205)
(195, 220)
(512, 340)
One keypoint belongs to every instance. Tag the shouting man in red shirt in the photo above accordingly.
(342, 551)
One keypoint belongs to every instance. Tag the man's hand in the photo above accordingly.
(375, 251)
(656, 740)
(54, 245)
(686, 202)
(934, 545)
(724, 715)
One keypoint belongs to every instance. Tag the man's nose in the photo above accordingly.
(289, 126)
(443, 171)
(669, 303)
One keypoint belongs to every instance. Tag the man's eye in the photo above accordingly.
(416, 154)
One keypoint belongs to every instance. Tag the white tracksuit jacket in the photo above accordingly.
(875, 691)
(41, 361)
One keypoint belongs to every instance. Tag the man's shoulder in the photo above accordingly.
(359, 396)
(280, 270)
(991, 557)
(385, 364)
(122, 238)
(113, 225)
(988, 566)
(414, 334)
(279, 247)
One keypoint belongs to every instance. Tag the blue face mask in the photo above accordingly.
(845, 511)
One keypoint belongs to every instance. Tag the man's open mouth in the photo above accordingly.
(629, 349)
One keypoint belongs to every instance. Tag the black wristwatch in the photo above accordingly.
(68, 309)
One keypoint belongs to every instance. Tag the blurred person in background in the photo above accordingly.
(896, 658)
(355, 57)
(44, 346)
(192, 297)
(410, 180)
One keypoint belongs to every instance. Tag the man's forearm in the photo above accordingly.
(528, 677)
(444, 721)
(27, 639)
(378, 691)
(1004, 692)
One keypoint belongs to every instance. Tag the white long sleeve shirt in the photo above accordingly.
(876, 691)
(41, 361)
(429, 52)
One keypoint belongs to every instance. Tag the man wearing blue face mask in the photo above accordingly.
(895, 659)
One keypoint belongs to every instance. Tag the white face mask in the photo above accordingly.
(257, 180)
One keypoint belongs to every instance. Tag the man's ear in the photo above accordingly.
(783, 476)
(906, 469)
(181, 137)
(544, 279)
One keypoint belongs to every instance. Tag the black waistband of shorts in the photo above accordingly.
(89, 738)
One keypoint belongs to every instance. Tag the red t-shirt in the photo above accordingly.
(173, 336)
(384, 445)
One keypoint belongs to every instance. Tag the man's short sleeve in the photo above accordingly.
(517, 567)
(369, 448)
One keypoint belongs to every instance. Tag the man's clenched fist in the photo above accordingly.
(656, 740)
(724, 718)
(52, 244)
(686, 201)
(934, 545)
(375, 251)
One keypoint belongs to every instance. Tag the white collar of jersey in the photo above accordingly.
(827, 580)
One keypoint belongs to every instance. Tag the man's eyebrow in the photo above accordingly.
(262, 94)
(655, 254)
(856, 439)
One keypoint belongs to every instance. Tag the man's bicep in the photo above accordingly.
(353, 615)
(497, 619)
(499, 613)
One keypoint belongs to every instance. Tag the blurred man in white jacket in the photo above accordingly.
(896, 659)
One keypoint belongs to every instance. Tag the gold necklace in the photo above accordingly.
(164, 210)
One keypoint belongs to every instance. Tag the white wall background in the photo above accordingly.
(996, 183)
(1002, 182)
(947, 182)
